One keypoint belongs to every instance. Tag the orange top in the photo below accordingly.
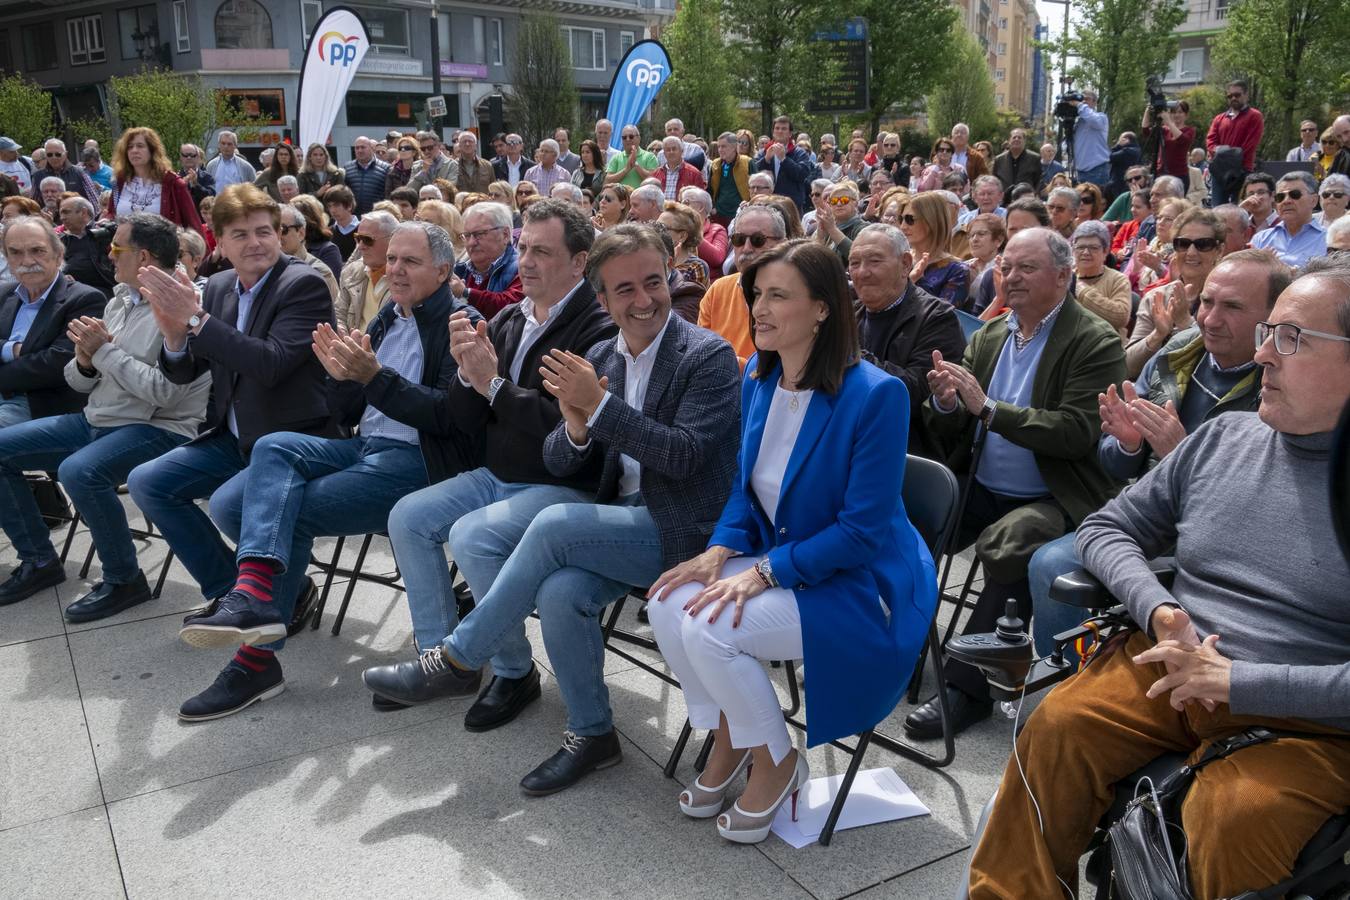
(724, 311)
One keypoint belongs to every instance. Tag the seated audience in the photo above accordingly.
(724, 308)
(1092, 204)
(1030, 382)
(927, 224)
(1334, 190)
(714, 242)
(899, 323)
(392, 384)
(1297, 237)
(191, 255)
(488, 280)
(318, 236)
(1253, 632)
(685, 230)
(1151, 263)
(1063, 203)
(820, 542)
(86, 246)
(340, 204)
(281, 164)
(1258, 199)
(1237, 225)
(837, 218)
(987, 195)
(667, 430)
(363, 286)
(1099, 289)
(251, 329)
(292, 236)
(1023, 213)
(986, 233)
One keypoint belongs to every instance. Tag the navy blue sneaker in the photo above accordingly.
(239, 685)
(238, 619)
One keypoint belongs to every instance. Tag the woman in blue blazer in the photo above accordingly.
(813, 557)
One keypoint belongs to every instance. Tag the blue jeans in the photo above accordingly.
(1098, 175)
(167, 489)
(14, 410)
(1052, 617)
(482, 518)
(573, 561)
(298, 487)
(90, 463)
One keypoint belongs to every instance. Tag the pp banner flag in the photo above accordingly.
(336, 47)
(636, 83)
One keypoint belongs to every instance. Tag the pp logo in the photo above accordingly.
(641, 73)
(338, 50)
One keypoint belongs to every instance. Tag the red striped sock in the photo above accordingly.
(255, 659)
(255, 579)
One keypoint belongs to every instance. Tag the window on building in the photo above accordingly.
(243, 25)
(626, 40)
(588, 47)
(85, 37)
(137, 28)
(479, 40)
(494, 37)
(180, 26)
(1187, 65)
(311, 11)
(1002, 48)
(1000, 75)
(1003, 23)
(39, 47)
(382, 110)
(388, 29)
(265, 106)
(998, 99)
(1220, 9)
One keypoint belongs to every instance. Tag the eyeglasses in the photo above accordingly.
(1332, 195)
(909, 219)
(757, 241)
(479, 234)
(428, 148)
(188, 154)
(1204, 245)
(54, 154)
(839, 201)
(116, 249)
(407, 148)
(1134, 179)
(1094, 247)
(1295, 194)
(1288, 336)
(364, 240)
(287, 229)
(1233, 96)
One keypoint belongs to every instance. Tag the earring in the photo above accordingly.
(815, 329)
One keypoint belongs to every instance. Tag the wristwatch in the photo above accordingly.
(493, 386)
(196, 318)
(764, 570)
(987, 411)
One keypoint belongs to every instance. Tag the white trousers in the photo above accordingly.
(719, 666)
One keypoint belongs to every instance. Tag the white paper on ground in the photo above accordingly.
(877, 795)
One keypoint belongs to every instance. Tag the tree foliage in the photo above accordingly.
(698, 90)
(25, 111)
(544, 95)
(966, 90)
(774, 61)
(179, 107)
(1293, 52)
(912, 42)
(1119, 44)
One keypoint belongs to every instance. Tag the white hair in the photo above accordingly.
(1338, 229)
(498, 214)
(83, 204)
(899, 243)
(550, 144)
(671, 140)
(288, 181)
(443, 251)
(430, 192)
(225, 132)
(698, 198)
(385, 222)
(1069, 196)
(571, 190)
(649, 192)
(1172, 184)
(57, 141)
(52, 179)
(761, 176)
(292, 215)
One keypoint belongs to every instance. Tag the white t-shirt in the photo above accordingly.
(19, 172)
(786, 414)
(139, 195)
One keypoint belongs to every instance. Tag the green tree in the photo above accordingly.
(1206, 101)
(774, 61)
(1293, 52)
(80, 130)
(544, 95)
(180, 108)
(911, 43)
(966, 91)
(698, 90)
(1119, 44)
(26, 111)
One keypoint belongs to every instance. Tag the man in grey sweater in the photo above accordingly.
(1255, 631)
(134, 414)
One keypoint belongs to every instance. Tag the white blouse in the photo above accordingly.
(787, 411)
(139, 195)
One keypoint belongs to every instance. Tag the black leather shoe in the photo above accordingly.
(502, 700)
(304, 607)
(234, 689)
(429, 677)
(384, 704)
(108, 600)
(29, 579)
(925, 722)
(579, 756)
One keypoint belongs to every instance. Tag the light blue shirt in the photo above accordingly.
(1293, 250)
(1089, 139)
(967, 214)
(401, 350)
(228, 173)
(23, 319)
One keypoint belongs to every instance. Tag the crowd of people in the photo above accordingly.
(692, 368)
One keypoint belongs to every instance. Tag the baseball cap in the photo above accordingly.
(7, 143)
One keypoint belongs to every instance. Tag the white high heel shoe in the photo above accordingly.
(742, 827)
(700, 802)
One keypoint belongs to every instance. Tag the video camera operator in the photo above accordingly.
(1091, 155)
(1172, 152)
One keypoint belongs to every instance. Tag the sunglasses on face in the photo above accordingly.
(1308, 129)
(1203, 245)
(1233, 96)
(909, 219)
(1134, 179)
(1295, 194)
(287, 229)
(1332, 195)
(365, 240)
(757, 241)
(839, 201)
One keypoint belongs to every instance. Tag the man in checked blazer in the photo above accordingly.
(660, 406)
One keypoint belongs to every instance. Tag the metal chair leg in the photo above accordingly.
(163, 574)
(332, 568)
(88, 561)
(70, 532)
(673, 761)
(827, 833)
(704, 752)
(351, 585)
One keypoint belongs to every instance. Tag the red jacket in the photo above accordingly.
(1243, 130)
(713, 248)
(689, 176)
(175, 204)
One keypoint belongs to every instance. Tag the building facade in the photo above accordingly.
(1205, 20)
(253, 49)
(1015, 51)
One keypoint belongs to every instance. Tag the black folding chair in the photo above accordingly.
(931, 497)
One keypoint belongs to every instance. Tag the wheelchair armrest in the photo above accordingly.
(1081, 588)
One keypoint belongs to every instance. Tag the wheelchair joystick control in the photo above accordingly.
(1005, 656)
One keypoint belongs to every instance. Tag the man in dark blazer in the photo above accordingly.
(499, 392)
(660, 405)
(790, 165)
(1029, 380)
(34, 317)
(899, 323)
(252, 329)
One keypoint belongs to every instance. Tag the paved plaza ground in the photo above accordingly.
(104, 793)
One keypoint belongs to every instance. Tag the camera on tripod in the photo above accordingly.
(1157, 100)
(1064, 108)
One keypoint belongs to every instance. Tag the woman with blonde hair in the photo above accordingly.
(318, 174)
(686, 231)
(390, 207)
(612, 206)
(438, 212)
(927, 223)
(144, 181)
(469, 198)
(1150, 265)
(318, 236)
(283, 163)
(502, 192)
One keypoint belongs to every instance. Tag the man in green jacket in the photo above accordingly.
(1028, 387)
